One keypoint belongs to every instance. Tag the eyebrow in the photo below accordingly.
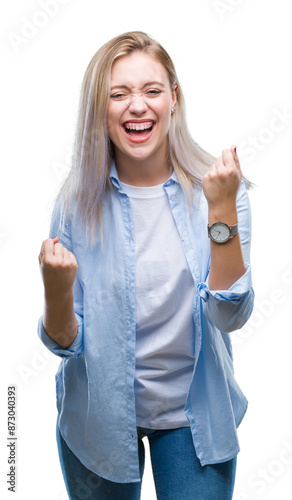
(145, 85)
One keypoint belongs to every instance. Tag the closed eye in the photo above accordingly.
(123, 95)
(118, 96)
(154, 92)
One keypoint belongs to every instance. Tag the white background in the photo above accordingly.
(233, 58)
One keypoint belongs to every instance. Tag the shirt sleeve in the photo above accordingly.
(74, 350)
(230, 309)
(62, 229)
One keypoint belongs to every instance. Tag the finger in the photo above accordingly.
(63, 255)
(235, 156)
(42, 250)
(71, 259)
(231, 161)
(217, 169)
(59, 251)
(228, 158)
(41, 254)
(219, 164)
(211, 172)
(55, 240)
(47, 249)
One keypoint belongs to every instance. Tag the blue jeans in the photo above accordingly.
(178, 474)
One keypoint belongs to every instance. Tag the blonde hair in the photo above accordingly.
(88, 179)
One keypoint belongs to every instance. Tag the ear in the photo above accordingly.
(174, 94)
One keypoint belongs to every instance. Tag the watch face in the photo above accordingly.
(219, 232)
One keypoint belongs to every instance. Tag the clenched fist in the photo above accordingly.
(58, 269)
(222, 181)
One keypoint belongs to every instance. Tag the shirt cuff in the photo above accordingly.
(234, 293)
(74, 350)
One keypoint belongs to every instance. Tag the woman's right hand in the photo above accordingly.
(58, 268)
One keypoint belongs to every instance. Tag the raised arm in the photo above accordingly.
(220, 186)
(58, 269)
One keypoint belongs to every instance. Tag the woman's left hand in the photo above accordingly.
(222, 181)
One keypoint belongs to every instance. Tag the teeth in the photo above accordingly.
(136, 126)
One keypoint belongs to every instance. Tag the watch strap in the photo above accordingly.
(234, 230)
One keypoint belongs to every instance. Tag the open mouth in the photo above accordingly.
(139, 131)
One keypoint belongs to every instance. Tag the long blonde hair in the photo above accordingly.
(88, 179)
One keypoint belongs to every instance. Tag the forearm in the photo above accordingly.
(59, 319)
(227, 263)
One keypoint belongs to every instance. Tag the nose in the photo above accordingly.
(137, 105)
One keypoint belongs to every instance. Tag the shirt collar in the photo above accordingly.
(116, 181)
(114, 175)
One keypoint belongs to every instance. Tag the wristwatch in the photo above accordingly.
(221, 232)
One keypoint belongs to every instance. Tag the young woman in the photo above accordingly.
(146, 272)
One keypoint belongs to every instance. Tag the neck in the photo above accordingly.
(144, 172)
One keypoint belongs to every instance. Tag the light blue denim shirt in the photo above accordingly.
(95, 380)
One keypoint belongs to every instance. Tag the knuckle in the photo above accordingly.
(46, 261)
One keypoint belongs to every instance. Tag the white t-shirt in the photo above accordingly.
(164, 301)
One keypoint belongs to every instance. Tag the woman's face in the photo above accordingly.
(139, 109)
